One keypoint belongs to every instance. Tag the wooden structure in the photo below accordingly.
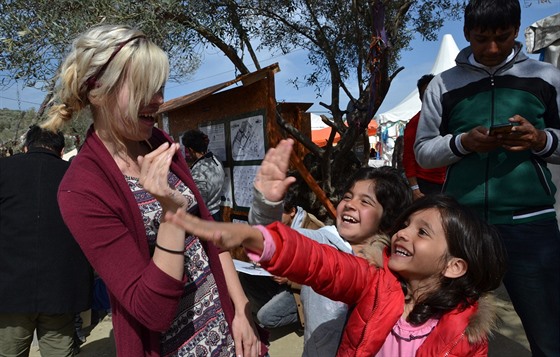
(238, 116)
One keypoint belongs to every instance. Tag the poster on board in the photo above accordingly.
(243, 178)
(247, 138)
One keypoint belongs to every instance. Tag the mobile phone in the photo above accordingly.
(502, 129)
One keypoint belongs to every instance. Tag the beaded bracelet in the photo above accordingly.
(170, 250)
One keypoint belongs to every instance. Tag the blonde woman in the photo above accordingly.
(171, 294)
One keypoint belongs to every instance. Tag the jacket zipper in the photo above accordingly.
(454, 345)
(486, 176)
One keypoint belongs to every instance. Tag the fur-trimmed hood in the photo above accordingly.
(485, 320)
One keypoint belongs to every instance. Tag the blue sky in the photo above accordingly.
(216, 69)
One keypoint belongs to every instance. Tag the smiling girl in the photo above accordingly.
(372, 200)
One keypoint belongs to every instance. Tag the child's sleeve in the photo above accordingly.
(268, 250)
(332, 273)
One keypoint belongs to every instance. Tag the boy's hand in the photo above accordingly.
(523, 136)
(271, 178)
(222, 234)
(478, 140)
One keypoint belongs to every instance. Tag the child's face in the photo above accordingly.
(359, 213)
(491, 47)
(419, 249)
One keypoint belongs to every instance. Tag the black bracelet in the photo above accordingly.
(182, 252)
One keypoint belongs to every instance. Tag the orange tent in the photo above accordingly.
(321, 136)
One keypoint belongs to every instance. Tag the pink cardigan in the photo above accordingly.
(102, 214)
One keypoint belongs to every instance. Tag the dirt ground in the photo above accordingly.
(509, 340)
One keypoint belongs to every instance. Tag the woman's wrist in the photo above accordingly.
(171, 251)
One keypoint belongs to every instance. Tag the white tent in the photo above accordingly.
(410, 105)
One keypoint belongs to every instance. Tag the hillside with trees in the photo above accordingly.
(14, 125)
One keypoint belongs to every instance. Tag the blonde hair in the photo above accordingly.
(101, 61)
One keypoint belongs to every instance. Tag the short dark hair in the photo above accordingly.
(39, 137)
(492, 14)
(424, 81)
(196, 140)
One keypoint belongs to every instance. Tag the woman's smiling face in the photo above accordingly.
(146, 115)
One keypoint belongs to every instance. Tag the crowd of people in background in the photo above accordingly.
(408, 268)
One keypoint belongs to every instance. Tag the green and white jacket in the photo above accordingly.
(505, 187)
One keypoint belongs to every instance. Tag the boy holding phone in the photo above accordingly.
(503, 175)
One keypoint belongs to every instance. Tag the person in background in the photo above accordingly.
(170, 294)
(397, 156)
(372, 199)
(422, 181)
(206, 170)
(503, 176)
(45, 278)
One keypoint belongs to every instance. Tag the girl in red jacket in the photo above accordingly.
(429, 296)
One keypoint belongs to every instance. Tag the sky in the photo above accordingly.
(216, 68)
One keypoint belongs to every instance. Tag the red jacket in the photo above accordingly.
(411, 167)
(377, 298)
(102, 214)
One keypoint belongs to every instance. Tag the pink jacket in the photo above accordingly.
(377, 298)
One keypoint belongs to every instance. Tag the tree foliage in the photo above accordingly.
(353, 46)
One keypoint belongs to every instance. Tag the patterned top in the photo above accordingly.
(200, 327)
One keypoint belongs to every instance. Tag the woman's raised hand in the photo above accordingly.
(271, 179)
(154, 171)
(222, 234)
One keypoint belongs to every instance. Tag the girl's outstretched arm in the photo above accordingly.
(222, 234)
(271, 179)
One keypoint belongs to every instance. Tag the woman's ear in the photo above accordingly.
(456, 268)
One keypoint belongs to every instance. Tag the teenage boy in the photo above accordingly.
(503, 175)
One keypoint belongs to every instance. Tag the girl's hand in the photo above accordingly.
(222, 234)
(271, 178)
(154, 171)
(245, 335)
